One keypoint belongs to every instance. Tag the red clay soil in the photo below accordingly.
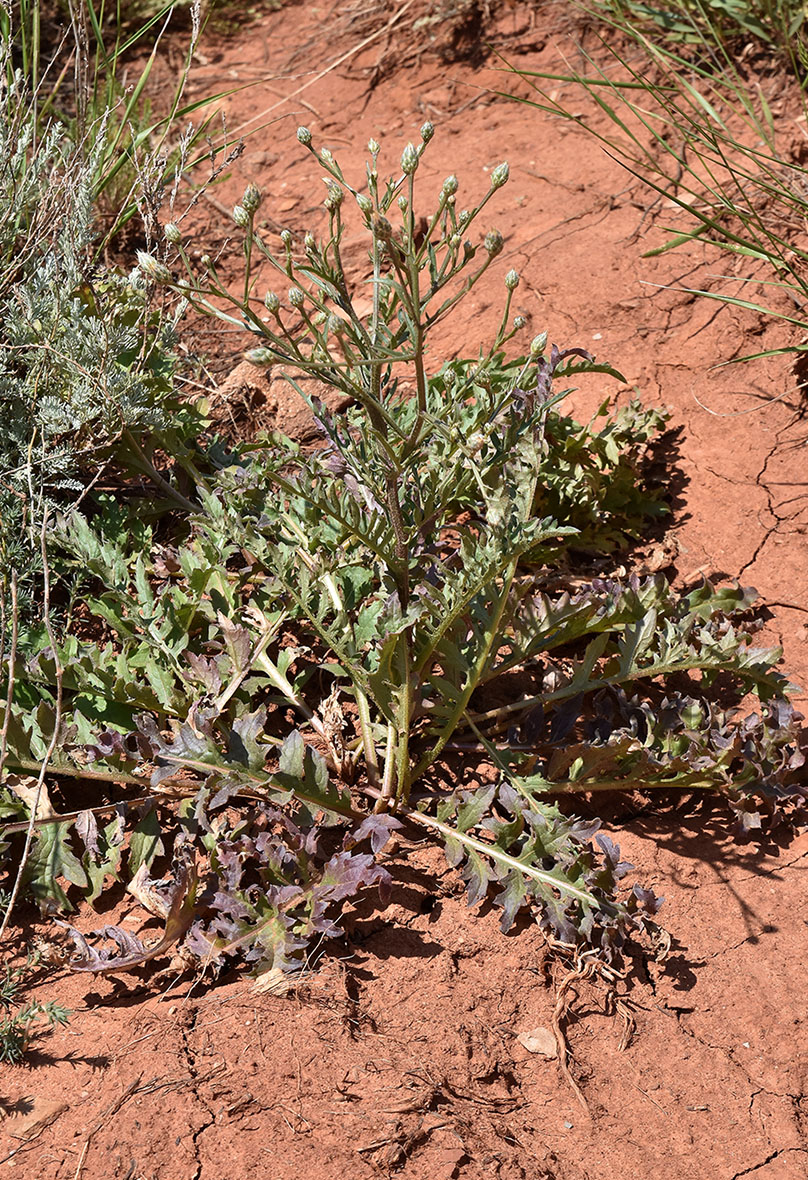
(400, 1054)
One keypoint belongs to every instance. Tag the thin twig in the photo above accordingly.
(12, 659)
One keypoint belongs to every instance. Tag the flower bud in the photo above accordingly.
(519, 322)
(241, 216)
(304, 136)
(455, 240)
(449, 188)
(272, 302)
(364, 203)
(310, 243)
(427, 131)
(286, 238)
(409, 160)
(500, 175)
(450, 378)
(373, 147)
(152, 268)
(335, 197)
(403, 204)
(382, 229)
(172, 233)
(260, 356)
(512, 280)
(326, 156)
(494, 242)
(463, 217)
(252, 198)
(296, 297)
(206, 261)
(538, 344)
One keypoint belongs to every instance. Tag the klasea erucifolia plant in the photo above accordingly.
(368, 637)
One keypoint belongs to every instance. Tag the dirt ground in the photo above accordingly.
(400, 1054)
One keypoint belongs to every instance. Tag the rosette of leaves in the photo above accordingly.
(298, 674)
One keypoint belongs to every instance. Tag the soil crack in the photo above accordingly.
(190, 1058)
(769, 1158)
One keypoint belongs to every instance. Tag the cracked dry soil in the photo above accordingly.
(400, 1056)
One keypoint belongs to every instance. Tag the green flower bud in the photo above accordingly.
(304, 136)
(296, 297)
(260, 356)
(286, 238)
(172, 233)
(252, 198)
(403, 204)
(206, 261)
(335, 197)
(272, 302)
(427, 131)
(450, 186)
(241, 216)
(326, 156)
(373, 147)
(538, 344)
(512, 280)
(494, 242)
(409, 160)
(500, 175)
(364, 203)
(463, 217)
(310, 243)
(152, 268)
(519, 322)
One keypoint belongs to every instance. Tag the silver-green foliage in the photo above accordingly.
(84, 360)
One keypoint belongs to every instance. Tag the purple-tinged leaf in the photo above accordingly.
(87, 829)
(376, 828)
